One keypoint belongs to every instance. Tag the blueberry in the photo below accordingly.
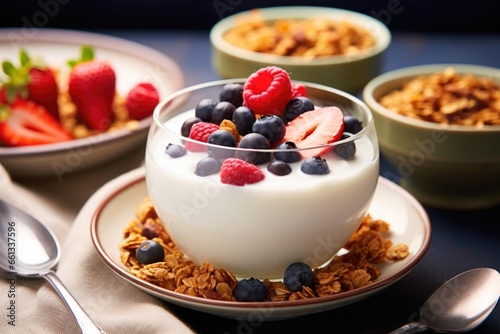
(352, 124)
(254, 141)
(279, 168)
(271, 127)
(188, 123)
(345, 150)
(150, 252)
(233, 93)
(175, 151)
(315, 166)
(243, 118)
(287, 155)
(222, 110)
(221, 138)
(297, 275)
(250, 290)
(204, 109)
(207, 166)
(297, 106)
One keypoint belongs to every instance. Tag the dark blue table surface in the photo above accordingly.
(460, 240)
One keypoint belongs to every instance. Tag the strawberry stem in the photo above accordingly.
(86, 54)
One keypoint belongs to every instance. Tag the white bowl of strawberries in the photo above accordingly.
(72, 100)
(255, 174)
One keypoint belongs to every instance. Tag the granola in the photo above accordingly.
(366, 248)
(449, 98)
(308, 38)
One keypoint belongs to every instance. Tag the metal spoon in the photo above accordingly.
(28, 248)
(459, 305)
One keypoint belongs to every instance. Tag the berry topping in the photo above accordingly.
(298, 90)
(221, 138)
(267, 91)
(188, 123)
(287, 155)
(200, 132)
(315, 166)
(222, 110)
(244, 118)
(296, 107)
(316, 128)
(141, 100)
(207, 166)
(297, 275)
(150, 252)
(345, 150)
(175, 151)
(270, 126)
(250, 290)
(232, 93)
(204, 109)
(352, 124)
(254, 141)
(238, 172)
(279, 168)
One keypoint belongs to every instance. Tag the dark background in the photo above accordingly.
(406, 15)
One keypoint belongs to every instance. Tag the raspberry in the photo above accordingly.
(267, 91)
(298, 90)
(238, 172)
(200, 131)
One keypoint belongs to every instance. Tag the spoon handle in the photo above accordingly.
(86, 324)
(412, 327)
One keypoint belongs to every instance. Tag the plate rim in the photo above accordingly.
(108, 42)
(129, 180)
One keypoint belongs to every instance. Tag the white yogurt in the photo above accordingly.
(259, 229)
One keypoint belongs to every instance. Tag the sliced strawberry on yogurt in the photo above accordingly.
(315, 128)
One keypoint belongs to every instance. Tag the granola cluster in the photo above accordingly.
(366, 248)
(308, 38)
(449, 98)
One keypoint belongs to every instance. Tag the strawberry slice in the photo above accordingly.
(26, 123)
(315, 128)
(142, 100)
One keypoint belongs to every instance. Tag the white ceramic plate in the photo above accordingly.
(119, 198)
(132, 63)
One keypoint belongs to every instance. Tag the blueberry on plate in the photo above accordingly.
(204, 109)
(271, 127)
(280, 168)
(254, 141)
(243, 118)
(221, 138)
(232, 92)
(315, 166)
(150, 252)
(207, 166)
(287, 155)
(297, 275)
(346, 150)
(222, 110)
(352, 124)
(175, 150)
(297, 106)
(250, 290)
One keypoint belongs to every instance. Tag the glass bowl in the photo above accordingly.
(258, 229)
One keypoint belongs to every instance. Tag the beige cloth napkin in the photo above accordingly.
(114, 304)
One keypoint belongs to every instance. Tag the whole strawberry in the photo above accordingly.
(32, 80)
(141, 100)
(92, 87)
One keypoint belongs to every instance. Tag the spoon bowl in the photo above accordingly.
(460, 304)
(30, 249)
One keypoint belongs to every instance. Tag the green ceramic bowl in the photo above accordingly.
(452, 167)
(347, 73)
